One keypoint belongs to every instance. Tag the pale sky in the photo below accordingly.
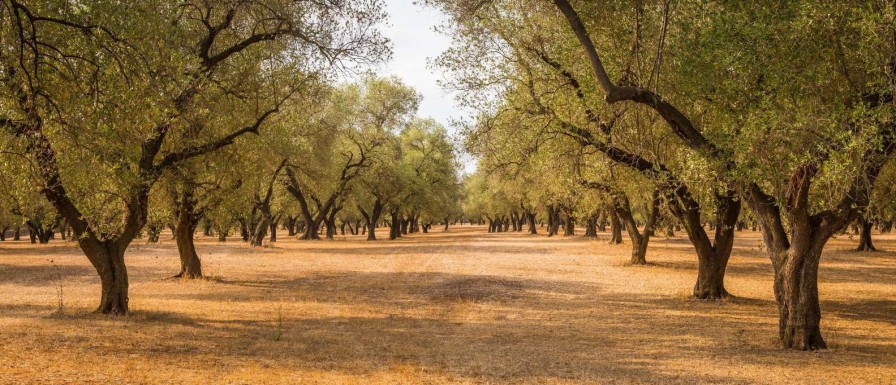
(414, 42)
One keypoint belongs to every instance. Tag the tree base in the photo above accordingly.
(188, 275)
(711, 294)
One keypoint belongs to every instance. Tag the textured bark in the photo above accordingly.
(865, 227)
(615, 227)
(796, 252)
(796, 290)
(530, 218)
(570, 228)
(591, 227)
(639, 240)
(190, 264)
(290, 225)
(405, 223)
(188, 217)
(331, 222)
(244, 230)
(553, 220)
(107, 257)
(712, 256)
(275, 223)
(372, 218)
(395, 225)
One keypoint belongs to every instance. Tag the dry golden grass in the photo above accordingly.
(457, 307)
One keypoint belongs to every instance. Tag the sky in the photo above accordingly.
(414, 41)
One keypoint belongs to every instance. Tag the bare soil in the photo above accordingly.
(458, 307)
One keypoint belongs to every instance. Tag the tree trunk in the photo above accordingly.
(331, 222)
(570, 228)
(107, 257)
(530, 217)
(796, 290)
(712, 255)
(404, 225)
(206, 227)
(394, 225)
(865, 227)
(615, 228)
(591, 227)
(256, 238)
(190, 265)
(371, 219)
(291, 225)
(639, 240)
(311, 231)
(244, 230)
(186, 221)
(275, 223)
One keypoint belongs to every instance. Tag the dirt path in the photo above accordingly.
(457, 307)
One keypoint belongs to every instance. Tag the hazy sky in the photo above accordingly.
(410, 29)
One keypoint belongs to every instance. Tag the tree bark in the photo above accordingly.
(570, 228)
(530, 217)
(244, 230)
(796, 253)
(187, 219)
(190, 265)
(275, 222)
(712, 256)
(331, 222)
(639, 240)
(371, 219)
(615, 228)
(394, 225)
(796, 290)
(107, 257)
(865, 227)
(291, 225)
(591, 226)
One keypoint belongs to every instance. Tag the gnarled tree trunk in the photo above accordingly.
(372, 218)
(865, 227)
(639, 240)
(394, 225)
(107, 257)
(530, 218)
(188, 218)
(796, 290)
(615, 227)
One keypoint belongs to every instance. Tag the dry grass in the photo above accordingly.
(457, 307)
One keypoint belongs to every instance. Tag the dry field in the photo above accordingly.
(457, 307)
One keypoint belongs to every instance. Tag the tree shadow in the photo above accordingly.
(487, 328)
